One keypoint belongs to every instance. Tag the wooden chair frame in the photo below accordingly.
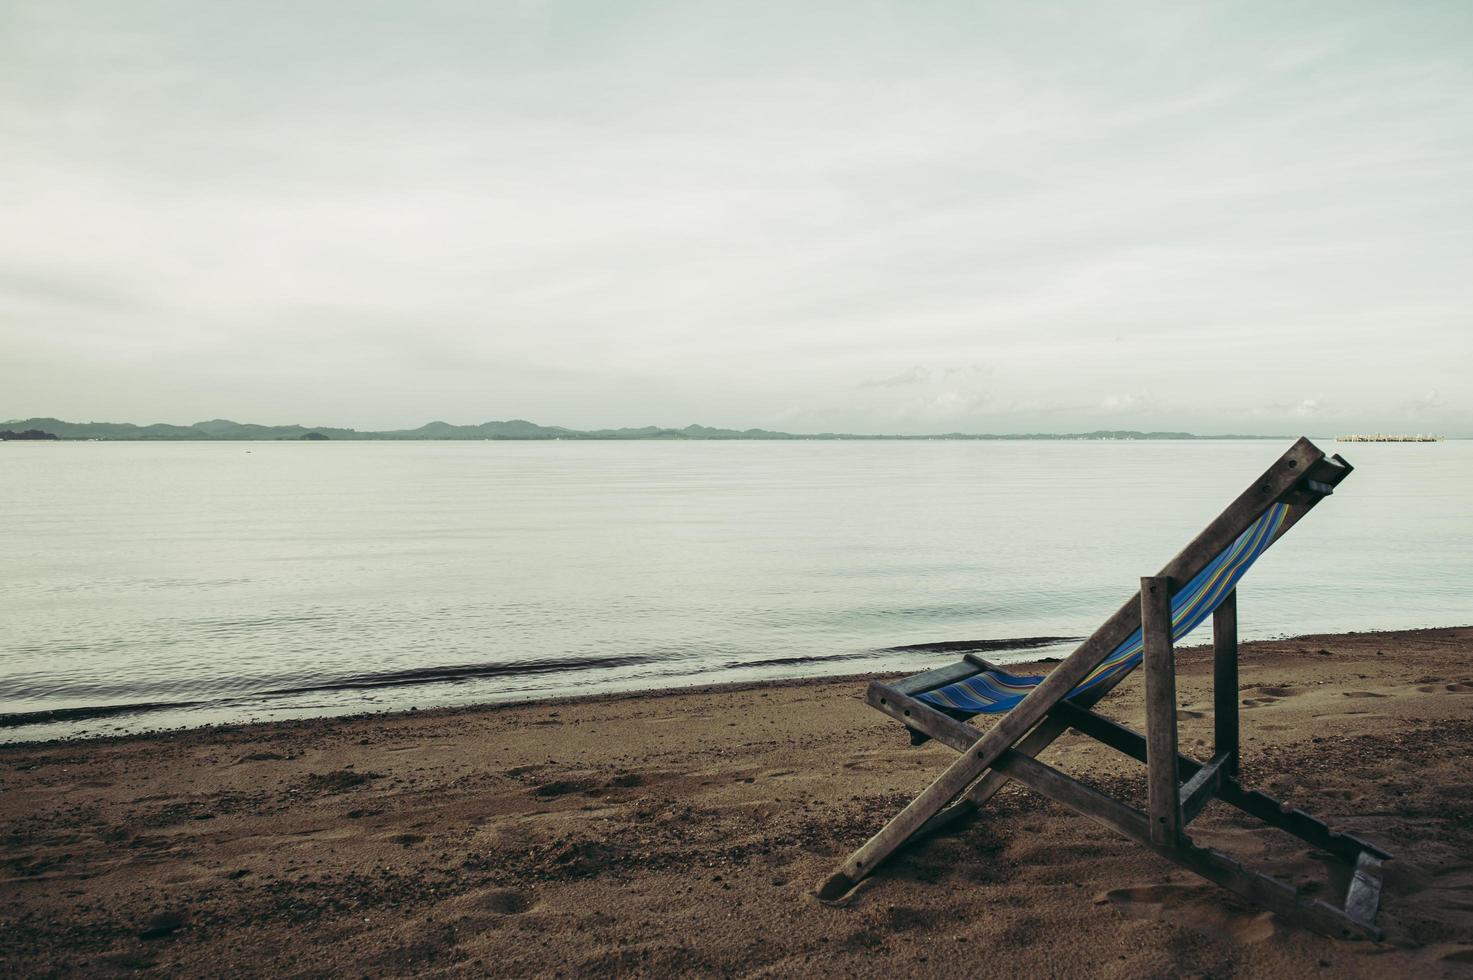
(1300, 479)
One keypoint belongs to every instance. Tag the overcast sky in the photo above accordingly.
(880, 217)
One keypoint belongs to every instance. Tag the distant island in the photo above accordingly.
(514, 429)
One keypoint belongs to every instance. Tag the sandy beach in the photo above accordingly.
(683, 833)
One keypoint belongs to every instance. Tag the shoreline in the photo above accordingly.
(683, 830)
(942, 648)
(419, 676)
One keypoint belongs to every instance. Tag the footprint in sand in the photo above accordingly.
(1268, 694)
(1192, 905)
(1459, 687)
(1155, 895)
(1362, 694)
(561, 787)
(502, 901)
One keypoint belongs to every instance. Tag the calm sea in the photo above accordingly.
(227, 581)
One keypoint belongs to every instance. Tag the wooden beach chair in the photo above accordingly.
(1198, 583)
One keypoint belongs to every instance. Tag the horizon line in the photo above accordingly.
(223, 429)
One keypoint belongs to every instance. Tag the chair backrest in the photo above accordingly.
(994, 692)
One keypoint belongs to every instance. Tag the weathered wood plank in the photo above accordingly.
(1113, 734)
(1225, 680)
(1199, 790)
(1297, 822)
(937, 677)
(921, 716)
(1076, 795)
(1162, 779)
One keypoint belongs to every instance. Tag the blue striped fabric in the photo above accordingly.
(992, 693)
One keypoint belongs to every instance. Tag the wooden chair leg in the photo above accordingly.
(1225, 682)
(1164, 782)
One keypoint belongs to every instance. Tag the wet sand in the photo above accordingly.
(684, 832)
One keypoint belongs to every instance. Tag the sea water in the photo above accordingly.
(216, 582)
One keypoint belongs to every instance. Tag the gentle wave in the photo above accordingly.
(427, 676)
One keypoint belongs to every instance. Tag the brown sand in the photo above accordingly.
(684, 832)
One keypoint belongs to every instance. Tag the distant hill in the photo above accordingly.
(513, 429)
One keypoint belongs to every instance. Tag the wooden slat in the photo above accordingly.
(1225, 680)
(921, 716)
(1296, 822)
(1076, 795)
(1199, 790)
(1114, 734)
(937, 677)
(1162, 779)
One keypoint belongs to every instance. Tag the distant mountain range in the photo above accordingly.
(224, 429)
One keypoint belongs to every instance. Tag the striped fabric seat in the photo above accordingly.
(991, 692)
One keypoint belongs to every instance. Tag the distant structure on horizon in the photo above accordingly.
(1381, 437)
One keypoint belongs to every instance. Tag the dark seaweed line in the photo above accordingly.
(991, 646)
